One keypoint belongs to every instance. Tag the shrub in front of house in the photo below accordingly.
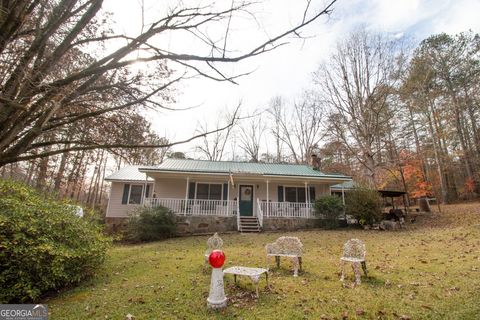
(330, 209)
(364, 205)
(44, 245)
(151, 224)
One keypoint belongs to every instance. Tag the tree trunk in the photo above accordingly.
(417, 143)
(61, 173)
(42, 173)
(438, 160)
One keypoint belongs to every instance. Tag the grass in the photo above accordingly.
(429, 271)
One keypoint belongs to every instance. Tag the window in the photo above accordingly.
(295, 194)
(135, 194)
(209, 191)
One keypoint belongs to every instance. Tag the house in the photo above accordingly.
(209, 196)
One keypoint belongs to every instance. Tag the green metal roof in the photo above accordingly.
(129, 173)
(347, 185)
(233, 167)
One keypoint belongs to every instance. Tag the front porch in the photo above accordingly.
(251, 195)
(230, 208)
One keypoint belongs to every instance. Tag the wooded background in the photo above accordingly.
(72, 111)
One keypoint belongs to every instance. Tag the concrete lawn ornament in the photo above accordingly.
(213, 243)
(216, 299)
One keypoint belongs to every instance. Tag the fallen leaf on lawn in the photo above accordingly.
(359, 312)
(137, 300)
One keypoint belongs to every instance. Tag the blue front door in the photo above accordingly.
(246, 200)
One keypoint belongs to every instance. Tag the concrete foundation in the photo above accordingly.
(115, 224)
(205, 224)
(187, 225)
(289, 224)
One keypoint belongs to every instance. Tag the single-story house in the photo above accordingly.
(209, 196)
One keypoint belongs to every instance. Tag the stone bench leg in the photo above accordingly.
(277, 260)
(255, 280)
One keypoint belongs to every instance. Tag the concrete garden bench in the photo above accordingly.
(290, 247)
(253, 273)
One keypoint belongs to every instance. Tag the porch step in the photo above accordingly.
(249, 224)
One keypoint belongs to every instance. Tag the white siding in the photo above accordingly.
(115, 207)
(175, 188)
(170, 188)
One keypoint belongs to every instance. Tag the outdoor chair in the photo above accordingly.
(286, 247)
(354, 252)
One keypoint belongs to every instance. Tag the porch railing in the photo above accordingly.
(286, 209)
(199, 207)
(260, 213)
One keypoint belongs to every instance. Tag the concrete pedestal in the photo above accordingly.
(216, 298)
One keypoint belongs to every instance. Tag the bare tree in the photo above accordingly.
(54, 71)
(301, 129)
(275, 110)
(355, 84)
(212, 146)
(251, 133)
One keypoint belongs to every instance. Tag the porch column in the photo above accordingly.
(228, 198)
(186, 197)
(343, 195)
(144, 193)
(268, 204)
(306, 193)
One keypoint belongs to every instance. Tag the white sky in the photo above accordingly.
(287, 70)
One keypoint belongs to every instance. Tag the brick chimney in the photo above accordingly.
(315, 162)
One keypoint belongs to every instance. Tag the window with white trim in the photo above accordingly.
(135, 196)
(133, 193)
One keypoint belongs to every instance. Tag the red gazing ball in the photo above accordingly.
(216, 258)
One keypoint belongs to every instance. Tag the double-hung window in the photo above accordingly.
(132, 193)
(209, 191)
(295, 194)
(135, 194)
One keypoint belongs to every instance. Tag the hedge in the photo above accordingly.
(44, 246)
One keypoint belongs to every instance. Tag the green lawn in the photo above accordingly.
(430, 271)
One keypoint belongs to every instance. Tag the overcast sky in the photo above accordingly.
(287, 71)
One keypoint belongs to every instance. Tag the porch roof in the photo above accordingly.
(347, 185)
(240, 168)
(129, 173)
